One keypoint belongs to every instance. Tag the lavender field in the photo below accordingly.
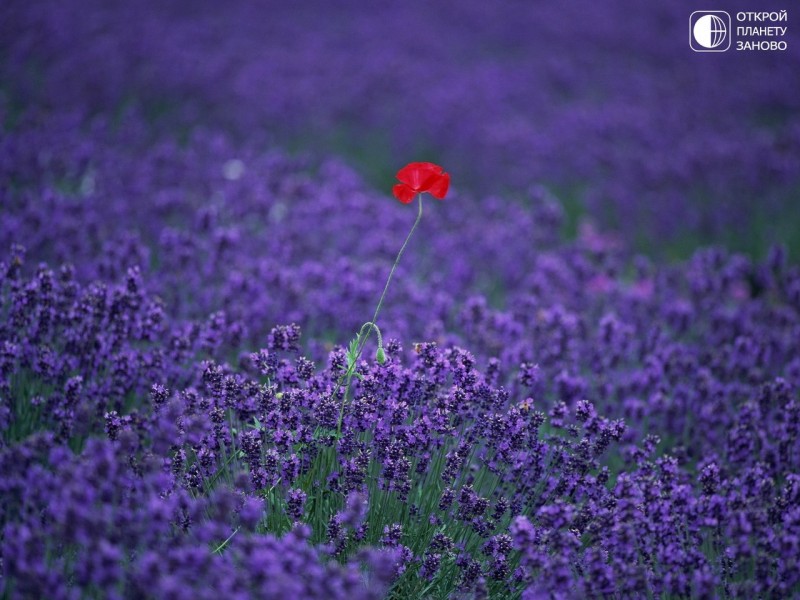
(580, 381)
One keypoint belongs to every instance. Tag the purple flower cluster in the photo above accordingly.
(554, 418)
(461, 483)
(113, 523)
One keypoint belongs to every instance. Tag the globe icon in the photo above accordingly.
(709, 31)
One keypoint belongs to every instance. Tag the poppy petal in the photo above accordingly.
(439, 187)
(418, 174)
(404, 193)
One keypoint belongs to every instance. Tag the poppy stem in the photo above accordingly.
(362, 340)
(389, 279)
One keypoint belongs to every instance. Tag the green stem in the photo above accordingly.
(389, 279)
(372, 325)
(219, 548)
(363, 341)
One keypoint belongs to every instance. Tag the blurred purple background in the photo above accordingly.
(605, 104)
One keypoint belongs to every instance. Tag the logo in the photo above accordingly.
(710, 31)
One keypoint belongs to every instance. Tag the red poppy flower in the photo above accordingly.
(419, 177)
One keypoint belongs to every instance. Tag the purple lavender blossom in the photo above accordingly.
(557, 416)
